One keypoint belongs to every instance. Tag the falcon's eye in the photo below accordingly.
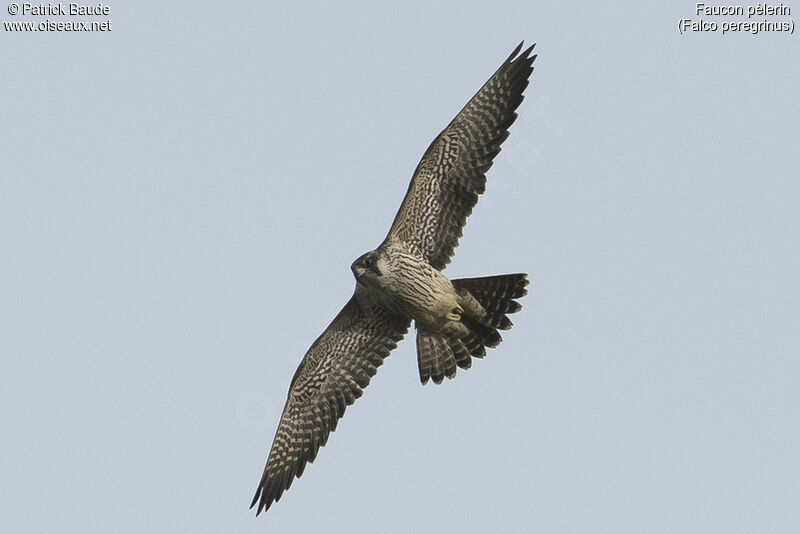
(369, 261)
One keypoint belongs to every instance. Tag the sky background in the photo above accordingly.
(181, 199)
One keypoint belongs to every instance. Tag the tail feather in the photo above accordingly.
(482, 334)
(436, 358)
(439, 354)
(461, 354)
(496, 294)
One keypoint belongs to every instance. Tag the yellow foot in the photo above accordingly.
(455, 314)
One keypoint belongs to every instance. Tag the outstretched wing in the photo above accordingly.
(332, 375)
(452, 173)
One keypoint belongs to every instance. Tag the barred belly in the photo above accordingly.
(421, 291)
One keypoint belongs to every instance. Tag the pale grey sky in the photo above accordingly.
(181, 199)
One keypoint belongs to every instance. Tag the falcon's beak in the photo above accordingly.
(358, 271)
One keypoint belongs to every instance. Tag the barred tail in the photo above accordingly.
(439, 354)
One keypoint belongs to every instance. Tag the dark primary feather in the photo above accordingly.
(452, 173)
(333, 373)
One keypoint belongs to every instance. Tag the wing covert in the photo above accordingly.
(452, 172)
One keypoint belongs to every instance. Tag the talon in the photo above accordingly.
(455, 314)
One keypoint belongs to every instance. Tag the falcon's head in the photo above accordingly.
(365, 268)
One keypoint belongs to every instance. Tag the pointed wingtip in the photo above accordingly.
(525, 55)
(261, 508)
(257, 500)
(515, 52)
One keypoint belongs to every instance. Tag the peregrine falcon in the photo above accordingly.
(401, 281)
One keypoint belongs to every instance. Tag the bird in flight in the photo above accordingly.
(401, 281)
